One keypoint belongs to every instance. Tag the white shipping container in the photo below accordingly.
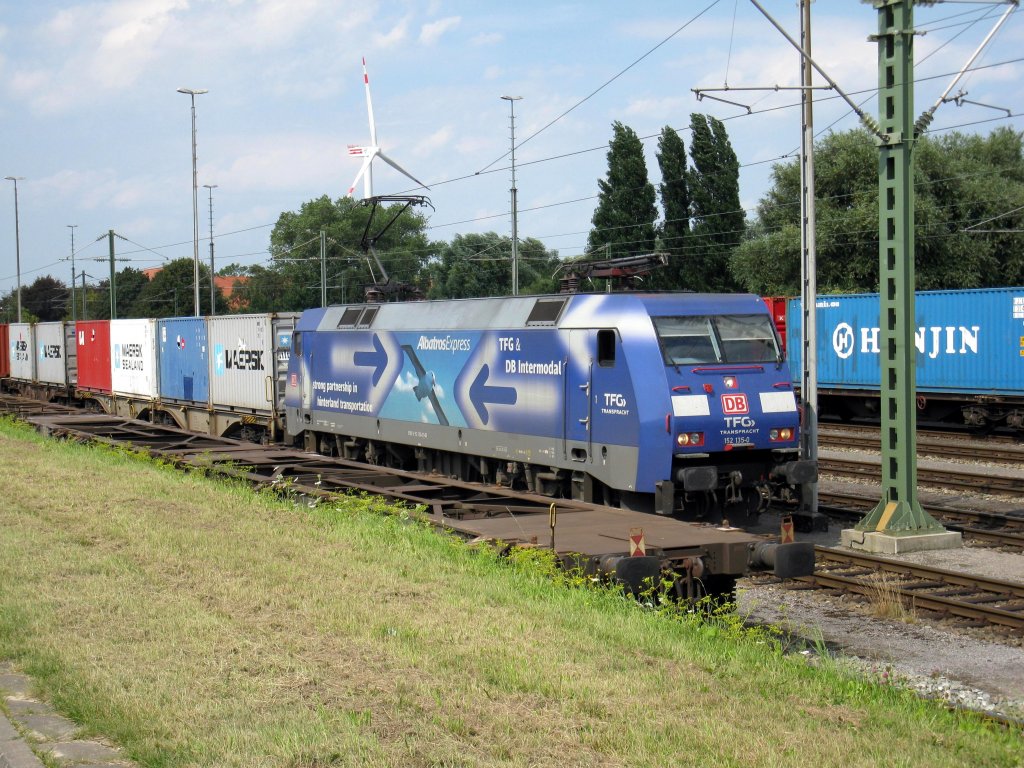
(242, 362)
(23, 359)
(51, 353)
(133, 358)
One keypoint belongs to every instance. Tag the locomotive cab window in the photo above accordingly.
(606, 348)
(747, 338)
(716, 339)
(686, 340)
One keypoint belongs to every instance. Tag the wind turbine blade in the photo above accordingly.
(362, 169)
(369, 105)
(400, 169)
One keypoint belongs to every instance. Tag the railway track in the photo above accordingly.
(966, 598)
(1006, 481)
(940, 445)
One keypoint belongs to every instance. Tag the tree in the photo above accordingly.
(45, 298)
(293, 280)
(234, 269)
(718, 219)
(481, 265)
(673, 235)
(9, 308)
(960, 182)
(624, 218)
(171, 293)
(130, 283)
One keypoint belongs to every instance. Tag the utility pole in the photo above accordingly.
(73, 310)
(898, 512)
(84, 312)
(113, 291)
(213, 282)
(17, 237)
(808, 267)
(514, 193)
(192, 93)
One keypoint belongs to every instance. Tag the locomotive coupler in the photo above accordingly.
(732, 490)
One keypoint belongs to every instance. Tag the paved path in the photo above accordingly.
(30, 727)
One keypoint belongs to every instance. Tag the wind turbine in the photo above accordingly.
(368, 153)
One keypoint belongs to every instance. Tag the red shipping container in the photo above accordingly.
(5, 351)
(777, 306)
(93, 341)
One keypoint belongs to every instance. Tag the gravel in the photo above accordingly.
(954, 666)
(972, 668)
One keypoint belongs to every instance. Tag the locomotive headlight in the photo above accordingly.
(730, 382)
(690, 438)
(781, 435)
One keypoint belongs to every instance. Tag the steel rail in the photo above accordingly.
(930, 447)
(986, 481)
(972, 605)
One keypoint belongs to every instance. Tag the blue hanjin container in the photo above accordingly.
(184, 357)
(968, 341)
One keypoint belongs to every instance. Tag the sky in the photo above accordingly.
(92, 120)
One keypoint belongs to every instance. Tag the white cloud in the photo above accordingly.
(430, 33)
(135, 31)
(658, 108)
(394, 36)
(439, 139)
(303, 161)
(493, 72)
(487, 38)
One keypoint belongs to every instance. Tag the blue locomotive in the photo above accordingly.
(671, 403)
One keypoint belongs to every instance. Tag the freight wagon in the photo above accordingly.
(218, 375)
(969, 361)
(39, 362)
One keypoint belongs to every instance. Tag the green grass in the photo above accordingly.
(198, 623)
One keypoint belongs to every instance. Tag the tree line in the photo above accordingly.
(968, 219)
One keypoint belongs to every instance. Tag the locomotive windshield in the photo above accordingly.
(717, 339)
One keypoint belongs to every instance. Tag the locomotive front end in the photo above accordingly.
(734, 420)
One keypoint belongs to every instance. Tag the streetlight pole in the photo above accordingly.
(74, 311)
(17, 238)
(192, 93)
(213, 285)
(515, 213)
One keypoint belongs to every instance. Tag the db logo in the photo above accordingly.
(734, 404)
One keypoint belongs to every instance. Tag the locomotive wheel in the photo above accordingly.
(720, 588)
(702, 506)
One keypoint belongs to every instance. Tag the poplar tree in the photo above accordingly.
(675, 204)
(718, 219)
(625, 215)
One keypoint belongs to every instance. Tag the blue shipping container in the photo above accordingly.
(184, 359)
(969, 341)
